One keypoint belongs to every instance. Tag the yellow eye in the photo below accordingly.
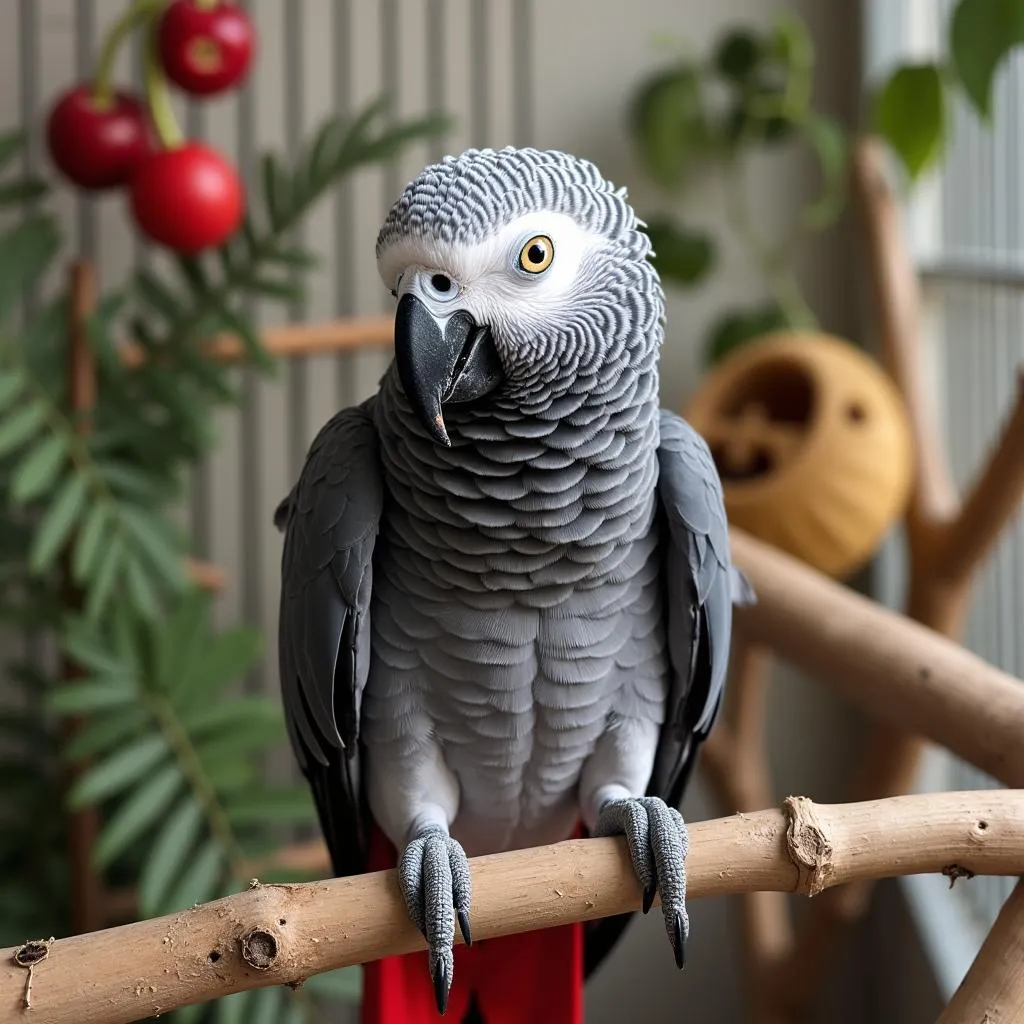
(536, 255)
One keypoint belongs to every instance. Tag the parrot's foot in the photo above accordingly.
(657, 840)
(434, 877)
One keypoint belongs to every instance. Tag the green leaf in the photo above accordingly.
(276, 191)
(86, 646)
(284, 805)
(88, 546)
(246, 740)
(828, 140)
(169, 850)
(191, 268)
(792, 43)
(10, 145)
(199, 881)
(141, 590)
(136, 814)
(239, 712)
(12, 384)
(101, 587)
(58, 522)
(737, 54)
(127, 767)
(159, 296)
(327, 145)
(132, 482)
(386, 146)
(26, 190)
(301, 259)
(910, 114)
(680, 255)
(21, 426)
(341, 986)
(156, 537)
(735, 329)
(667, 123)
(101, 733)
(182, 639)
(274, 289)
(981, 35)
(39, 468)
(129, 638)
(83, 696)
(239, 324)
(44, 345)
(228, 656)
(26, 250)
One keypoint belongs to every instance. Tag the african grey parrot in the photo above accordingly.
(506, 584)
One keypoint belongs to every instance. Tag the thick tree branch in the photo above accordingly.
(898, 298)
(898, 671)
(991, 503)
(282, 934)
(993, 989)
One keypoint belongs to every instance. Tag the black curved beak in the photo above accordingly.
(437, 369)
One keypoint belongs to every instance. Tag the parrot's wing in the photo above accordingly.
(701, 588)
(330, 521)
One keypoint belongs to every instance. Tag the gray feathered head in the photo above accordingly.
(519, 273)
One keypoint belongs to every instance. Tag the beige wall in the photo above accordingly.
(584, 57)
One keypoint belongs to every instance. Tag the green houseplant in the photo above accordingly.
(752, 93)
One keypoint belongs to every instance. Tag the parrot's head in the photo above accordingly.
(520, 275)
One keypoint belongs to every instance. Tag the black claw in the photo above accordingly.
(649, 893)
(679, 946)
(441, 986)
(464, 927)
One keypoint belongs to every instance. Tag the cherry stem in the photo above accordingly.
(206, 5)
(103, 86)
(158, 95)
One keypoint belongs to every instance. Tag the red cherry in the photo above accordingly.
(188, 198)
(98, 147)
(205, 50)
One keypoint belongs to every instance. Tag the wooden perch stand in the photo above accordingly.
(948, 539)
(282, 934)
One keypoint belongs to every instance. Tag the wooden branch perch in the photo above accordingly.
(993, 989)
(896, 670)
(282, 934)
(947, 543)
(351, 334)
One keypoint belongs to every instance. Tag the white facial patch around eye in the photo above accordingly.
(488, 272)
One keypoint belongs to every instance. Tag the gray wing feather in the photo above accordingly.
(330, 522)
(701, 588)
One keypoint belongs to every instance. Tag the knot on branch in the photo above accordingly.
(259, 949)
(808, 845)
(31, 953)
